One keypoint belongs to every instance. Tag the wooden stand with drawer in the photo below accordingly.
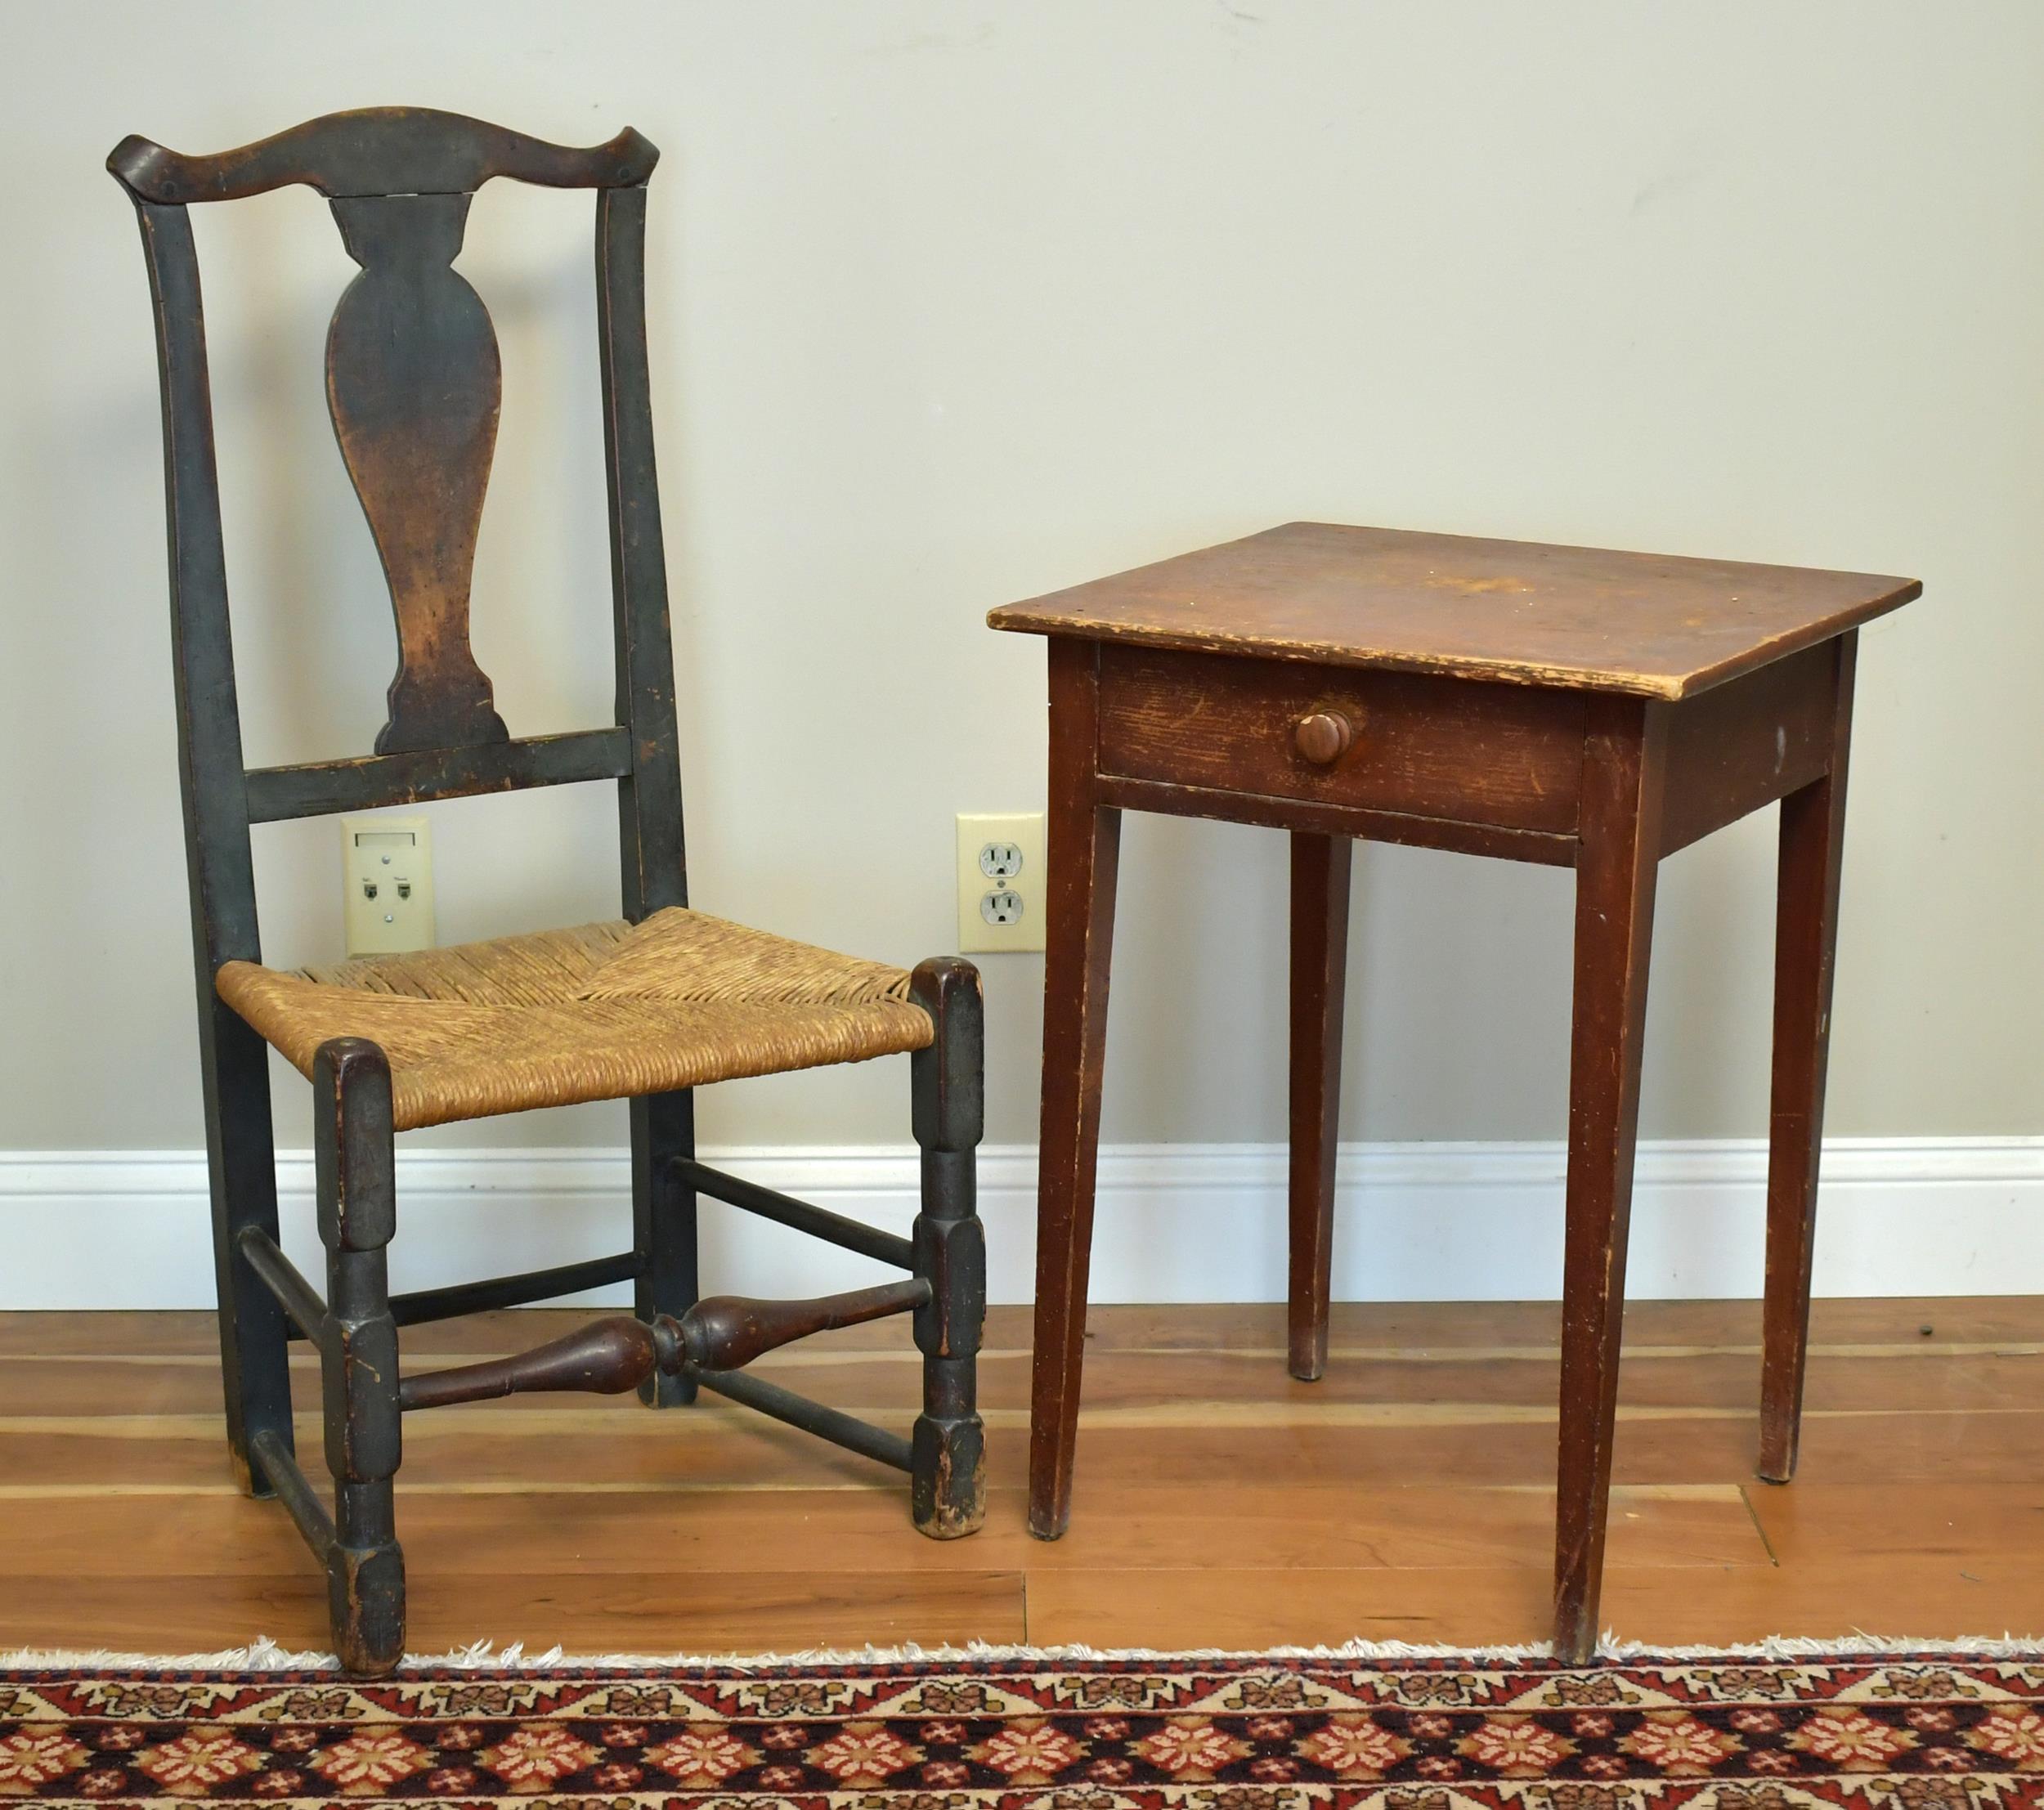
(1564, 705)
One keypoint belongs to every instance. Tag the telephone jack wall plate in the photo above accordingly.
(1001, 890)
(387, 880)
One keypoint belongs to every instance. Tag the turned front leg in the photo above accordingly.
(354, 1157)
(663, 1130)
(947, 1476)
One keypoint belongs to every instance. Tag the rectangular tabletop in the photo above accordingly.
(1650, 625)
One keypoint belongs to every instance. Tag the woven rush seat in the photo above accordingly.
(602, 1011)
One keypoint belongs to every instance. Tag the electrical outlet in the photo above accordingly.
(387, 874)
(1001, 891)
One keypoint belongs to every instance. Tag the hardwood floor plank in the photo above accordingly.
(516, 1533)
(1842, 1593)
(1860, 1449)
(1812, 1518)
(1194, 1326)
(1193, 1387)
(1211, 1327)
(1853, 1377)
(654, 1612)
(1247, 1609)
(1238, 1609)
(723, 1447)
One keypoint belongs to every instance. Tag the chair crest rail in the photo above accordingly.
(378, 151)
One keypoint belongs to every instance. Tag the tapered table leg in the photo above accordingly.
(1619, 854)
(1320, 869)
(1805, 935)
(1082, 843)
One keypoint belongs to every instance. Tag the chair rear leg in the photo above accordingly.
(354, 1151)
(947, 1476)
(664, 1226)
(254, 1335)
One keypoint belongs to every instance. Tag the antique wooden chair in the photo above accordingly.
(644, 1009)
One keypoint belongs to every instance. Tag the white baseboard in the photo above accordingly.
(1175, 1222)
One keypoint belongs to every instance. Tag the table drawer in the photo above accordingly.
(1468, 750)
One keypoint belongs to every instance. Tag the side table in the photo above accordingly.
(1587, 708)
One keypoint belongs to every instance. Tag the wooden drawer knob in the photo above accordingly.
(1323, 737)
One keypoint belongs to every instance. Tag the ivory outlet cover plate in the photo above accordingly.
(1001, 891)
(387, 877)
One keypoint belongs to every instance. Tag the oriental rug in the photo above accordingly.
(1775, 1728)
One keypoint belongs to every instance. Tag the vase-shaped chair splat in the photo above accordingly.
(413, 384)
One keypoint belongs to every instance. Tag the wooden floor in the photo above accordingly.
(1407, 1497)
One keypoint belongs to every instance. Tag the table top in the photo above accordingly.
(1650, 625)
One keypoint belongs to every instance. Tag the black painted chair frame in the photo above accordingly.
(389, 173)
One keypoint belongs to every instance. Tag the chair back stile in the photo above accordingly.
(655, 874)
(413, 386)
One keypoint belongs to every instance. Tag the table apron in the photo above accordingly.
(1469, 766)
(1744, 744)
(1549, 848)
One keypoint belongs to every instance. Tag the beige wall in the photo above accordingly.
(953, 303)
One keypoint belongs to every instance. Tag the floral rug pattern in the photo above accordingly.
(1914, 1732)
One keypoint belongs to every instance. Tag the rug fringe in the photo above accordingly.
(265, 1654)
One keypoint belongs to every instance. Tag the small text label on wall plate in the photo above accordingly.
(387, 878)
(1001, 891)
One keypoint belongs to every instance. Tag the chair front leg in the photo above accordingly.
(947, 1474)
(354, 1151)
(664, 1226)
